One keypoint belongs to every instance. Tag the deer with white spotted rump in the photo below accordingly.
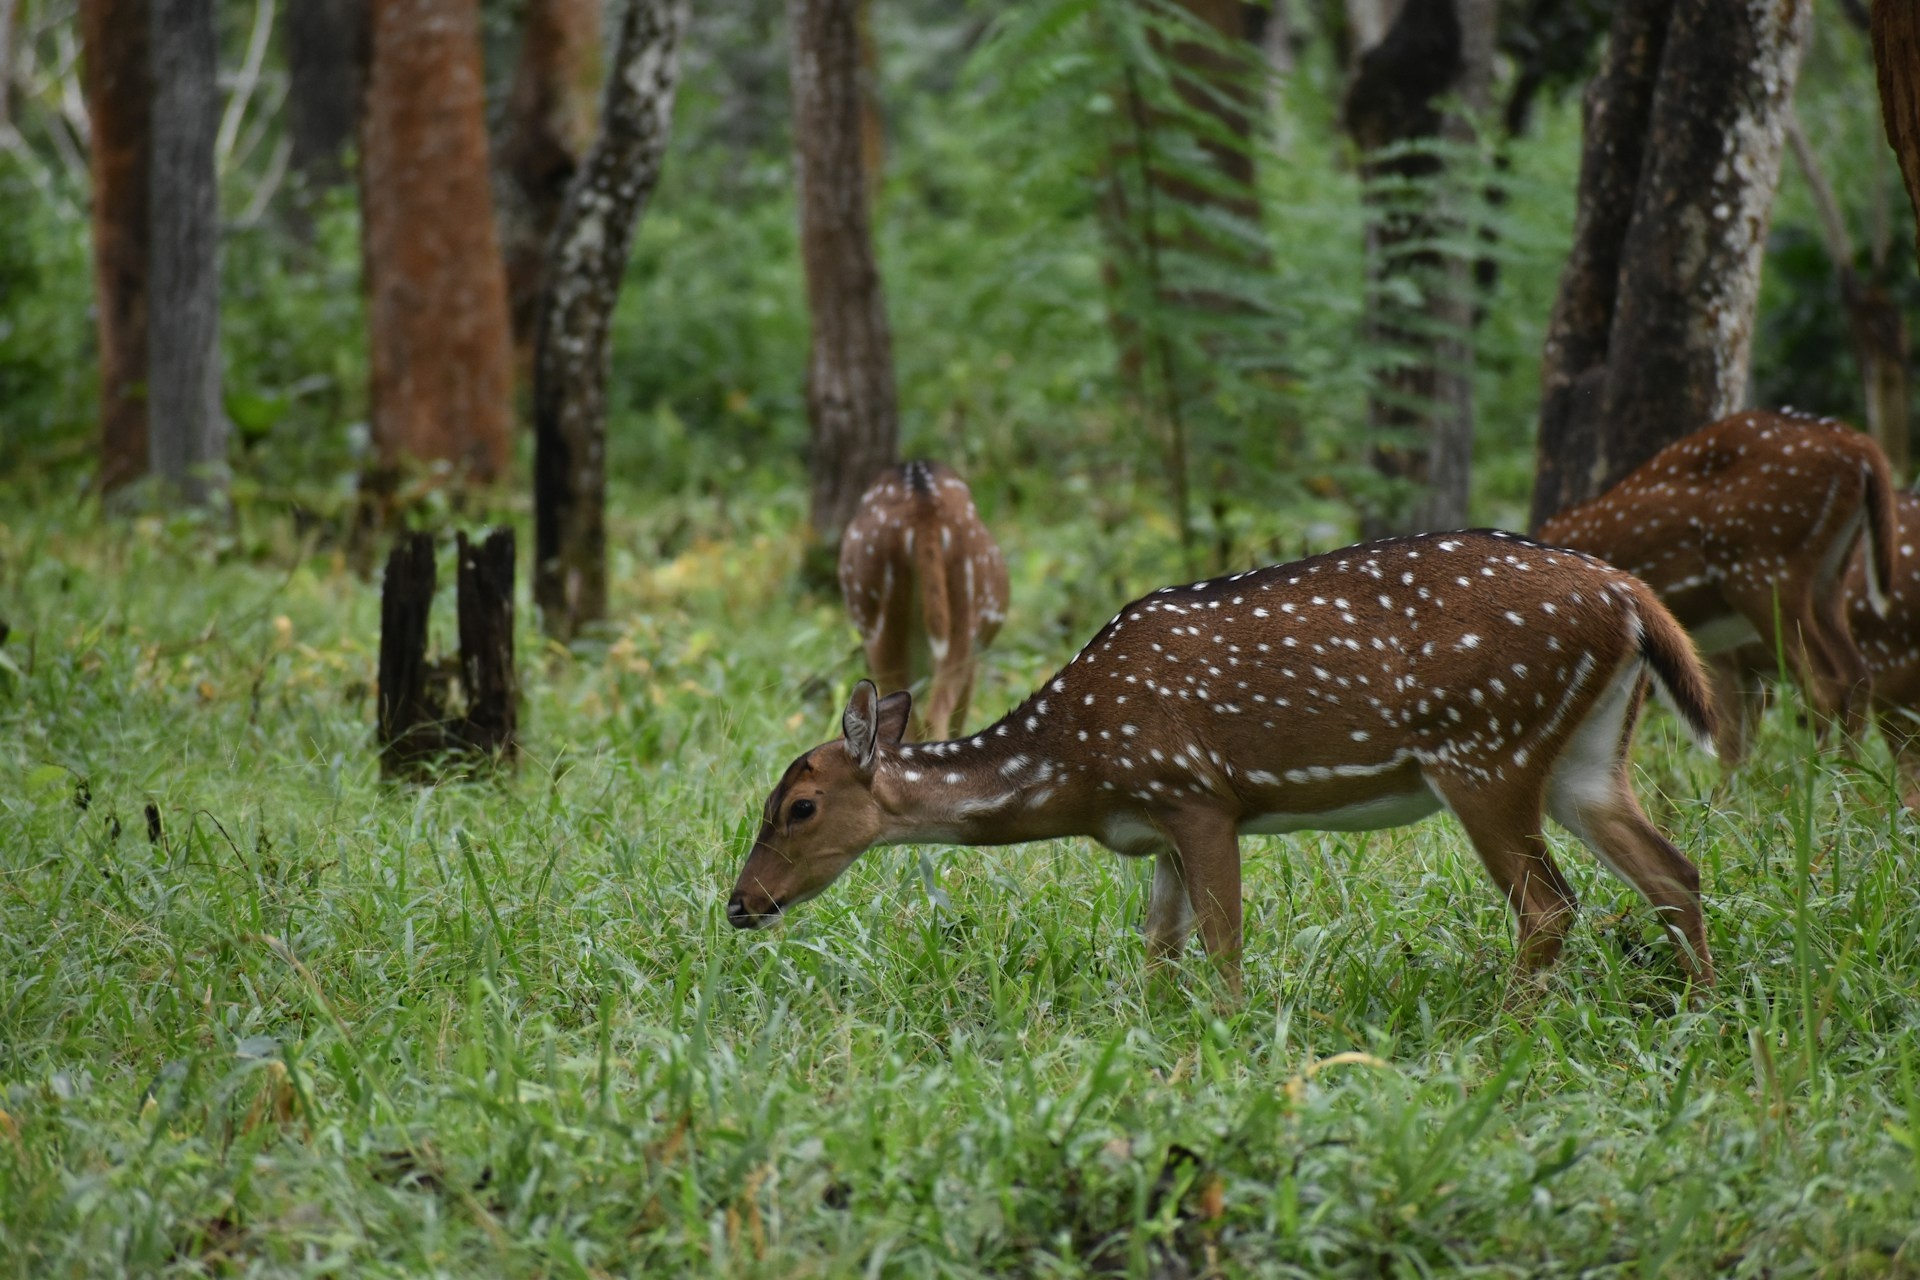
(1366, 688)
(926, 585)
(1744, 528)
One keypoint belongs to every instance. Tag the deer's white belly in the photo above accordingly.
(1395, 809)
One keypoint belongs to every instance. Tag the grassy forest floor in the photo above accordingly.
(304, 1022)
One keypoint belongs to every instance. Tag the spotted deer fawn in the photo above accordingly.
(1366, 688)
(1744, 529)
(925, 583)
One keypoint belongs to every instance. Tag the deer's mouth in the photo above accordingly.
(741, 916)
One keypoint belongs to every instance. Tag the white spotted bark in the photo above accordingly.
(1677, 312)
(588, 256)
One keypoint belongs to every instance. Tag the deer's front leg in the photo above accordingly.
(1208, 849)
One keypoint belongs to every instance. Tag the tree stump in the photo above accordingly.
(419, 730)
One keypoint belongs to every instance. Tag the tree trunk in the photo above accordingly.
(326, 74)
(188, 433)
(1177, 223)
(484, 588)
(549, 126)
(407, 722)
(119, 88)
(442, 371)
(1421, 413)
(415, 725)
(590, 249)
(9, 17)
(873, 125)
(1683, 295)
(1896, 59)
(850, 389)
(1573, 441)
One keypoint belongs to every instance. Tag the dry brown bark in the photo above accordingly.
(119, 87)
(549, 125)
(187, 431)
(442, 371)
(1656, 344)
(850, 388)
(590, 249)
(1896, 60)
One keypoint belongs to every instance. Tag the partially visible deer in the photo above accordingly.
(1745, 524)
(1889, 640)
(925, 583)
(1366, 688)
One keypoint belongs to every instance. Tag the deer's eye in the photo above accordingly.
(801, 811)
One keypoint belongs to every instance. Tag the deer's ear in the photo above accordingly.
(860, 724)
(895, 709)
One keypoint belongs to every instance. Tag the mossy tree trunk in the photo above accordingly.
(570, 372)
(549, 125)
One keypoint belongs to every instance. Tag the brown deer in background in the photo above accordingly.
(926, 585)
(1744, 528)
(1889, 640)
(1366, 688)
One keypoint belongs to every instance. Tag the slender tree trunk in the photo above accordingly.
(436, 291)
(1680, 327)
(9, 17)
(850, 388)
(1574, 441)
(188, 434)
(548, 128)
(1172, 222)
(1896, 59)
(119, 88)
(326, 76)
(873, 125)
(590, 250)
(1422, 411)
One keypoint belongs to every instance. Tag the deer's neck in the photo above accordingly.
(1004, 785)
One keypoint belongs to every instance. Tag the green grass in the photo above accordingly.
(321, 1025)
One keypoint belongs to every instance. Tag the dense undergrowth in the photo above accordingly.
(300, 1021)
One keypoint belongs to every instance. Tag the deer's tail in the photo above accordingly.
(1668, 652)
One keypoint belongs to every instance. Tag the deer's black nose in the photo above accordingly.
(737, 914)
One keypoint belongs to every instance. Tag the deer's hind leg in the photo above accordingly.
(1621, 836)
(1503, 823)
(889, 643)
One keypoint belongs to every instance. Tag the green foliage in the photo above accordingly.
(293, 341)
(502, 1028)
(49, 375)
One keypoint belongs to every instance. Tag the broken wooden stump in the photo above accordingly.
(421, 727)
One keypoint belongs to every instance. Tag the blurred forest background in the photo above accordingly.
(1207, 364)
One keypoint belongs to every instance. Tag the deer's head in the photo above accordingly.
(823, 814)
